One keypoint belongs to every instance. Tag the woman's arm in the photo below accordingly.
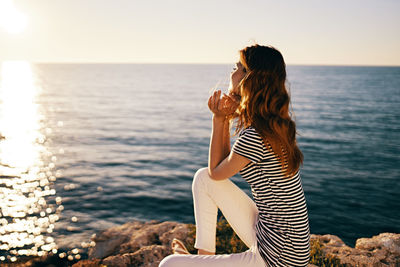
(222, 163)
(218, 149)
(227, 138)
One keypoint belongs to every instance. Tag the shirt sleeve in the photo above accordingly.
(249, 144)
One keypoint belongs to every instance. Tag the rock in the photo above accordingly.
(88, 263)
(380, 250)
(103, 249)
(145, 256)
(136, 243)
(147, 243)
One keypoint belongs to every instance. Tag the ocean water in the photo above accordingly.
(88, 146)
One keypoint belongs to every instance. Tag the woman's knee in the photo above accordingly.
(199, 177)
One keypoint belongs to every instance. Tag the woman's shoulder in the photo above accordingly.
(251, 131)
(249, 144)
(252, 134)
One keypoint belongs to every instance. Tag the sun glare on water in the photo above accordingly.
(29, 207)
(11, 20)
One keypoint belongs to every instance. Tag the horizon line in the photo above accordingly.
(193, 63)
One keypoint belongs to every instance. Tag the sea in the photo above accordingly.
(85, 147)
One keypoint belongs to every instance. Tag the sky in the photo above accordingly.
(307, 32)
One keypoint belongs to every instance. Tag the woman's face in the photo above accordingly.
(237, 75)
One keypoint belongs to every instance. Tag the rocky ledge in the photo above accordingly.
(147, 243)
(135, 244)
(379, 250)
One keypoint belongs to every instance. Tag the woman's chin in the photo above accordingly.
(231, 91)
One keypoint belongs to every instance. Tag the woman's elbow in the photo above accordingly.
(210, 172)
(214, 174)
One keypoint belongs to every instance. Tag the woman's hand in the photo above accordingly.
(222, 107)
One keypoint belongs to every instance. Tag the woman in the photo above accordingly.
(275, 226)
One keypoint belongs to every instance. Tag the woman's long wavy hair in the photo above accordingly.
(265, 103)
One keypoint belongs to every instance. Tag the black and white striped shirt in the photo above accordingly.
(282, 229)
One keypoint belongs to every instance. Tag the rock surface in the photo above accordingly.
(380, 250)
(146, 244)
(136, 243)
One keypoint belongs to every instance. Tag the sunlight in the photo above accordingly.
(26, 216)
(19, 117)
(12, 20)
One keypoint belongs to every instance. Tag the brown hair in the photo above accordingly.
(264, 104)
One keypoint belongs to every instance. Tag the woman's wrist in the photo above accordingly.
(219, 118)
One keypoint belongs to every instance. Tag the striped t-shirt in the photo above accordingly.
(282, 229)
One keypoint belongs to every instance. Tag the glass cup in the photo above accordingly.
(222, 84)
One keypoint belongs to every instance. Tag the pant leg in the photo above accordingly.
(237, 207)
(249, 258)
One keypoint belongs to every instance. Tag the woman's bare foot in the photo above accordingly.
(178, 247)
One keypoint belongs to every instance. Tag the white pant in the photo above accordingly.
(239, 210)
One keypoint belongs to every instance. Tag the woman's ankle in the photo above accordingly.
(204, 252)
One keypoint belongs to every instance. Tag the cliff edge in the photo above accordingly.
(147, 243)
